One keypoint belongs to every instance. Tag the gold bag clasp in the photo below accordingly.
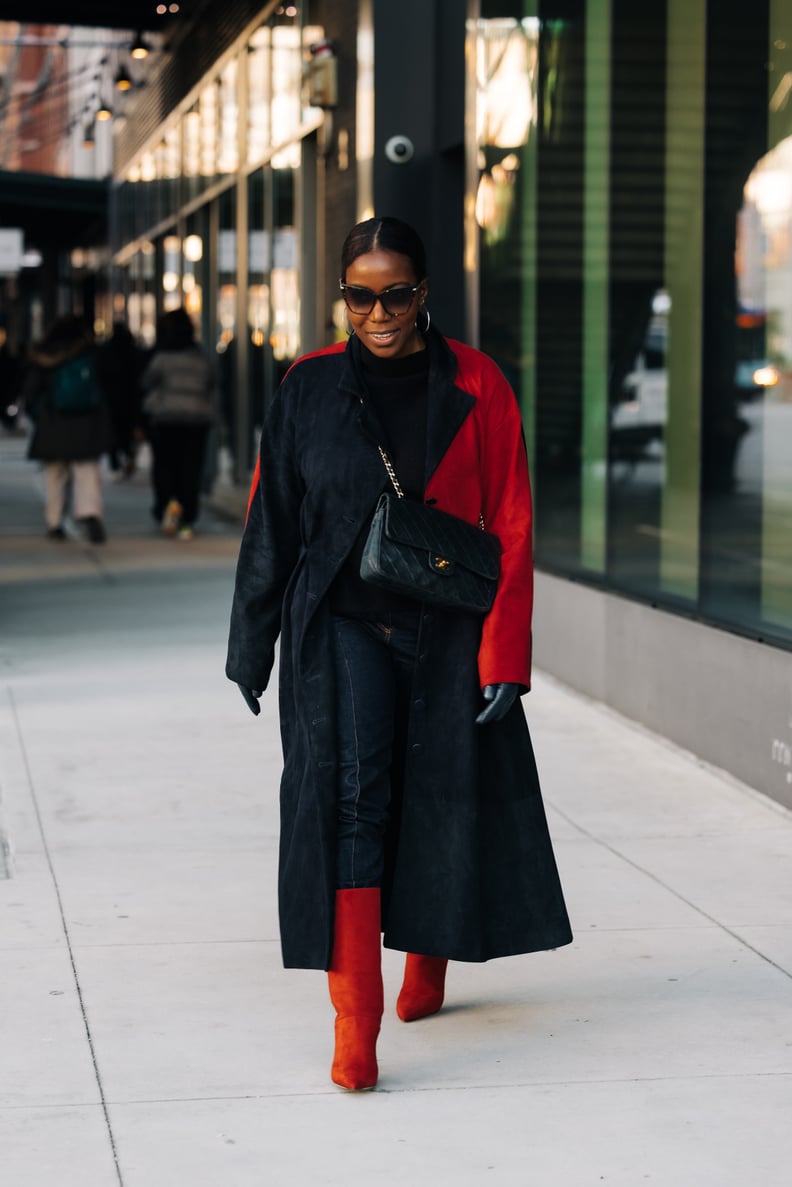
(442, 565)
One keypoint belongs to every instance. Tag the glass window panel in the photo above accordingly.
(260, 357)
(147, 327)
(596, 262)
(768, 213)
(635, 284)
(287, 65)
(506, 54)
(208, 115)
(228, 148)
(191, 167)
(639, 303)
(194, 266)
(225, 325)
(284, 279)
(258, 66)
(171, 272)
(747, 493)
(529, 208)
(171, 168)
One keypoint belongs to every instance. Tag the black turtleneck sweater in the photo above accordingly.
(397, 392)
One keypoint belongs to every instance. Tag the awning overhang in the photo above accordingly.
(55, 212)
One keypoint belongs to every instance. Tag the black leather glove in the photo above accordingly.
(501, 697)
(251, 696)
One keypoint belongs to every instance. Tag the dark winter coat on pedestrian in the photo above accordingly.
(179, 387)
(119, 365)
(470, 872)
(74, 436)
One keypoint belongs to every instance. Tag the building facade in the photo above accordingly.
(605, 190)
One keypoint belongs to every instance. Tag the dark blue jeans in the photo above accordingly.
(374, 664)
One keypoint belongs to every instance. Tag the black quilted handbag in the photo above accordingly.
(429, 555)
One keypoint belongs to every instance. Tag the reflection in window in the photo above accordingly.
(506, 60)
(506, 65)
(258, 313)
(192, 288)
(638, 414)
(141, 300)
(285, 336)
(763, 264)
(258, 63)
(192, 151)
(171, 272)
(226, 300)
(228, 151)
(172, 160)
(260, 379)
(286, 82)
(207, 110)
(225, 327)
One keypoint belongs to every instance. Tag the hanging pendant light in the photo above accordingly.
(122, 81)
(88, 136)
(140, 48)
(104, 112)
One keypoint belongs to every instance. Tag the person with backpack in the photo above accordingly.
(71, 425)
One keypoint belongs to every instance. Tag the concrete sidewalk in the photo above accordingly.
(150, 1036)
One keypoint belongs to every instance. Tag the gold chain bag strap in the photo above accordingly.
(429, 555)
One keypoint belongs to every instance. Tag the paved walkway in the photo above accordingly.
(148, 1034)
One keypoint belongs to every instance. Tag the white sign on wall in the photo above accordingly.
(12, 246)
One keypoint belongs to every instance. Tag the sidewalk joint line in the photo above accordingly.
(62, 913)
(659, 882)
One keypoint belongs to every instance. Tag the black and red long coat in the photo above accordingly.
(471, 873)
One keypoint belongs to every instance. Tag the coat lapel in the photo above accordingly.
(448, 408)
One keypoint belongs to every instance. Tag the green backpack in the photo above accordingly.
(75, 387)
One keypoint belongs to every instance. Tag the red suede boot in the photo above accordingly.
(355, 981)
(423, 988)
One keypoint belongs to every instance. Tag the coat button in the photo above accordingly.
(417, 746)
(419, 704)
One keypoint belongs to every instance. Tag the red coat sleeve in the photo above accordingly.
(486, 470)
(505, 652)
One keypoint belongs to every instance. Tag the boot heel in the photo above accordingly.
(423, 990)
(355, 1060)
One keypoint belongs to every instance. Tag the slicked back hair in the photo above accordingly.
(384, 234)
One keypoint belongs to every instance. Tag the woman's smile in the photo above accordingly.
(383, 333)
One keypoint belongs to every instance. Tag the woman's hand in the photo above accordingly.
(501, 697)
(251, 696)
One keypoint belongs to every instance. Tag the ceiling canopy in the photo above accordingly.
(118, 14)
(61, 211)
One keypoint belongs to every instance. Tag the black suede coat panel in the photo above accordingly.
(470, 869)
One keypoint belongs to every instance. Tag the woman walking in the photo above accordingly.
(71, 425)
(178, 383)
(410, 803)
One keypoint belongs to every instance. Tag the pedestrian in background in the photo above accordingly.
(64, 400)
(10, 374)
(119, 363)
(179, 407)
(410, 801)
